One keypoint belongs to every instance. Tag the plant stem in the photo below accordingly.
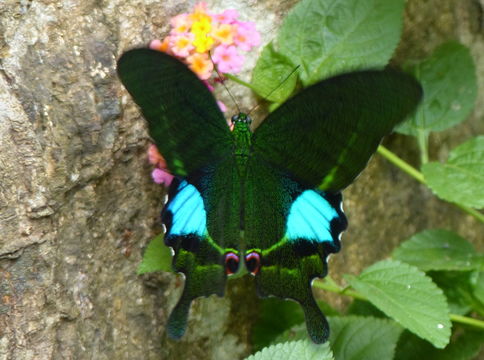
(423, 144)
(467, 320)
(403, 165)
(239, 81)
(321, 284)
(478, 215)
(337, 289)
(409, 169)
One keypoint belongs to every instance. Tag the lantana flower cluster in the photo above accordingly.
(193, 35)
(202, 39)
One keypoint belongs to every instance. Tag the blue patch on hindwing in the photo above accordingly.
(314, 218)
(188, 215)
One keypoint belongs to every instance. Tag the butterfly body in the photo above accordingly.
(267, 200)
(242, 140)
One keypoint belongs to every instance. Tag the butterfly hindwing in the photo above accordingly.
(292, 229)
(303, 154)
(202, 222)
(183, 117)
(325, 135)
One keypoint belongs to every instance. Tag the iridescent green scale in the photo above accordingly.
(269, 201)
(242, 140)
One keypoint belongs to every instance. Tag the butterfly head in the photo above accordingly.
(241, 118)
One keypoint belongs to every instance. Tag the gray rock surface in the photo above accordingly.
(77, 205)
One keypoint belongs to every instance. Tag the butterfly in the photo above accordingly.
(268, 200)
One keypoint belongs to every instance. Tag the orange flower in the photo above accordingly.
(161, 46)
(155, 158)
(224, 34)
(201, 65)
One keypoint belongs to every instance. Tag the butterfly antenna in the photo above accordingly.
(277, 87)
(223, 82)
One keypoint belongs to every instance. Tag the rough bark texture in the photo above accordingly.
(77, 205)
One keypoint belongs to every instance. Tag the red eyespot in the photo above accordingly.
(252, 262)
(231, 263)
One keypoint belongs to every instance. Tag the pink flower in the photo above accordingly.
(247, 36)
(227, 17)
(222, 106)
(155, 44)
(230, 124)
(181, 44)
(180, 23)
(208, 85)
(201, 7)
(227, 59)
(162, 177)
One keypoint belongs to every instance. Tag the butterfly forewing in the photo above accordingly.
(183, 117)
(325, 135)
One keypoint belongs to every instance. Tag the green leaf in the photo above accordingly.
(355, 338)
(157, 257)
(461, 178)
(273, 106)
(465, 347)
(297, 332)
(477, 282)
(327, 309)
(328, 37)
(277, 323)
(272, 78)
(364, 308)
(439, 250)
(407, 295)
(276, 316)
(411, 347)
(450, 88)
(459, 290)
(294, 350)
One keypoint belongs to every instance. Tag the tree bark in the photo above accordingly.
(77, 206)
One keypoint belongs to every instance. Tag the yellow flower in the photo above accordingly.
(203, 43)
(183, 28)
(201, 27)
(224, 34)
